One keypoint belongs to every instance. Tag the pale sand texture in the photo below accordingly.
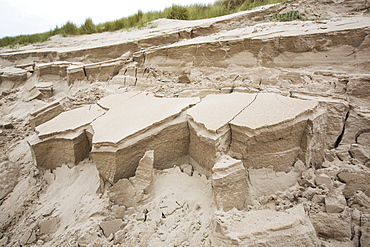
(233, 131)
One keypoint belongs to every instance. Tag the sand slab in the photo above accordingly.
(136, 115)
(271, 109)
(70, 120)
(215, 111)
(115, 100)
(281, 29)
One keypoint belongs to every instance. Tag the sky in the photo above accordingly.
(36, 16)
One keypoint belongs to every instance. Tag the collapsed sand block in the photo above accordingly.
(266, 182)
(45, 88)
(229, 183)
(137, 124)
(77, 119)
(131, 76)
(102, 71)
(65, 138)
(332, 225)
(264, 228)
(270, 131)
(111, 226)
(359, 183)
(8, 177)
(123, 193)
(12, 77)
(144, 173)
(170, 143)
(261, 129)
(53, 70)
(48, 112)
(359, 87)
(51, 225)
(54, 152)
(357, 127)
(128, 192)
(314, 138)
(335, 202)
(30, 67)
(209, 126)
(75, 73)
(38, 90)
(360, 153)
(337, 110)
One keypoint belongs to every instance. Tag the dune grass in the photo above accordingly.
(290, 16)
(140, 19)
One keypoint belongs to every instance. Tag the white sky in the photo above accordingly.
(36, 16)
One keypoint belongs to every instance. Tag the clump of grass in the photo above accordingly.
(24, 39)
(88, 27)
(178, 12)
(67, 29)
(290, 16)
(140, 19)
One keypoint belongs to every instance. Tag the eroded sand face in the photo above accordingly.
(237, 131)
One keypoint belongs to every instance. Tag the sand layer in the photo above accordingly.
(232, 131)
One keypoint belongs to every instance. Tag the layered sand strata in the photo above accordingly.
(65, 138)
(262, 130)
(132, 127)
(209, 126)
(274, 131)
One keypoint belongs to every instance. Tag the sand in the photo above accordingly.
(311, 200)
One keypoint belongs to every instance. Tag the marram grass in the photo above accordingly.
(140, 19)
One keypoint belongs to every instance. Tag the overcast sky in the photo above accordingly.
(36, 16)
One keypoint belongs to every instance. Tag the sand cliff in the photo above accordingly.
(237, 130)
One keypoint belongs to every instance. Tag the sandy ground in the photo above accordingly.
(66, 206)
